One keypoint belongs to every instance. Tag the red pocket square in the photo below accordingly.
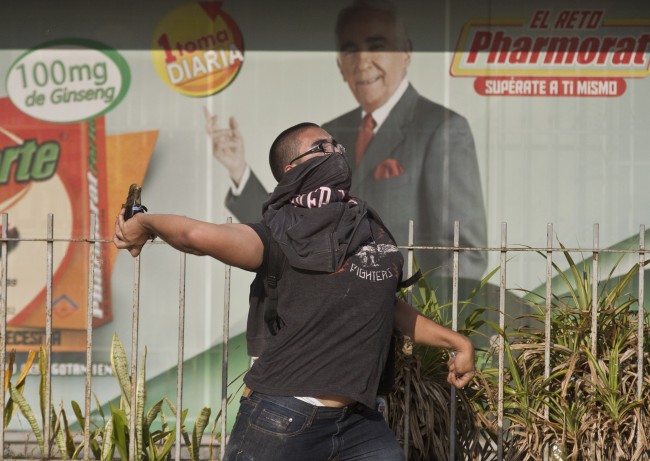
(388, 168)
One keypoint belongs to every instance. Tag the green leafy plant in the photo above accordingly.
(587, 408)
(18, 387)
(155, 436)
(17, 400)
(151, 444)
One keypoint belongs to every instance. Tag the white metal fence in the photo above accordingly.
(93, 246)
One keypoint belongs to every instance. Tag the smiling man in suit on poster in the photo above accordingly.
(411, 158)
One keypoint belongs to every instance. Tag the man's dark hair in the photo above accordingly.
(285, 147)
(359, 7)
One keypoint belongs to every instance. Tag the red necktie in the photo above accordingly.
(364, 137)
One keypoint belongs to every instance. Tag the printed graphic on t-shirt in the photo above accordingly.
(372, 262)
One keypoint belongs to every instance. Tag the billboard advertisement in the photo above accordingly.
(526, 113)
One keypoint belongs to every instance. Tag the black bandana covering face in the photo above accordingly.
(329, 171)
(312, 217)
(334, 176)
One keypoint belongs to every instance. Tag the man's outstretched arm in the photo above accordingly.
(234, 244)
(428, 333)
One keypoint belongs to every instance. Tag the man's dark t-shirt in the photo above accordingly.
(336, 327)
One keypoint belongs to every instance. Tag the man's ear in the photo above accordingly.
(287, 168)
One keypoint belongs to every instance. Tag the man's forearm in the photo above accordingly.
(425, 331)
(173, 229)
(234, 244)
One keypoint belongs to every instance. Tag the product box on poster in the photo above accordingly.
(63, 169)
(60, 169)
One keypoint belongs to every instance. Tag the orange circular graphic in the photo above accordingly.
(197, 49)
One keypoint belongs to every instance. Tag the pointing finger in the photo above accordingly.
(234, 126)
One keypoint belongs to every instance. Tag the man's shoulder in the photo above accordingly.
(425, 114)
(427, 107)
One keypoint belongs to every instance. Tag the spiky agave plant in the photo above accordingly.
(588, 406)
(150, 444)
(17, 400)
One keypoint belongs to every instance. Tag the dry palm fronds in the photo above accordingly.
(588, 408)
(429, 413)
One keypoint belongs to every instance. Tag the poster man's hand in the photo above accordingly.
(227, 145)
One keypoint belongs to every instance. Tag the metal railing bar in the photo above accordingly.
(502, 326)
(224, 365)
(134, 360)
(92, 249)
(547, 317)
(48, 335)
(224, 352)
(56, 240)
(640, 333)
(525, 249)
(181, 354)
(594, 293)
(594, 304)
(548, 298)
(23, 459)
(454, 326)
(75, 240)
(407, 373)
(4, 247)
(517, 248)
(409, 262)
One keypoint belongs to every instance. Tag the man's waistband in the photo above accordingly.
(354, 407)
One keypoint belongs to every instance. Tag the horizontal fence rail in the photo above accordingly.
(51, 423)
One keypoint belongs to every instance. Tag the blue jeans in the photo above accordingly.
(270, 428)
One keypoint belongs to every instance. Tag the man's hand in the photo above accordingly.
(227, 145)
(461, 366)
(130, 235)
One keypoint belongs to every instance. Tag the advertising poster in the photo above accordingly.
(525, 113)
(58, 159)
